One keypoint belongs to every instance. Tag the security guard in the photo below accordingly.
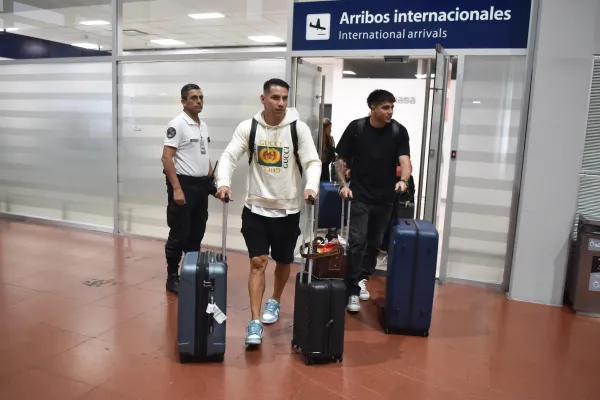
(189, 181)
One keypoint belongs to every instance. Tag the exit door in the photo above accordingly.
(307, 96)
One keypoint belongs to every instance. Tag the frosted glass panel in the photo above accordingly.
(56, 157)
(485, 163)
(149, 98)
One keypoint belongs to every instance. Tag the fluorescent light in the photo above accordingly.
(90, 46)
(10, 29)
(167, 42)
(349, 73)
(95, 22)
(476, 102)
(206, 16)
(266, 39)
(423, 76)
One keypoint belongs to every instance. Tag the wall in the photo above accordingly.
(56, 158)
(350, 102)
(568, 35)
(149, 99)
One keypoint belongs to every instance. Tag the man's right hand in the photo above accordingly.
(222, 191)
(179, 197)
(345, 192)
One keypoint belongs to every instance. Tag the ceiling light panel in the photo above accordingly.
(206, 16)
(95, 23)
(167, 42)
(266, 39)
(89, 46)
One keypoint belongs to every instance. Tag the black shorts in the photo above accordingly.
(279, 234)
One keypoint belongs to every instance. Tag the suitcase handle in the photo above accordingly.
(347, 221)
(225, 212)
(310, 222)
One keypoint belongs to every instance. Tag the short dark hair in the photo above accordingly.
(186, 90)
(379, 96)
(275, 82)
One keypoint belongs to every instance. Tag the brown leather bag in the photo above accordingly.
(329, 264)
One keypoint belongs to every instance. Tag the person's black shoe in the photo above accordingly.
(173, 283)
(331, 234)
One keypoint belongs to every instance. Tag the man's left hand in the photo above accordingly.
(401, 187)
(308, 193)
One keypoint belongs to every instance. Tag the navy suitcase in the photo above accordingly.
(410, 281)
(330, 206)
(319, 314)
(202, 304)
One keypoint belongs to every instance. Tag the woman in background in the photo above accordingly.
(327, 150)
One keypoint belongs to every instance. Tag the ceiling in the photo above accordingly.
(143, 21)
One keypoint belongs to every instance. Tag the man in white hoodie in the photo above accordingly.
(282, 149)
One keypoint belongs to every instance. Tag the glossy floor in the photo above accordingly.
(85, 316)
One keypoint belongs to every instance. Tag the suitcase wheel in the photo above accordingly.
(309, 360)
(386, 331)
(185, 359)
(339, 359)
(425, 333)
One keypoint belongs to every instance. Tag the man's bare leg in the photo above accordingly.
(282, 274)
(272, 307)
(256, 290)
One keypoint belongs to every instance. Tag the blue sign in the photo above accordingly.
(411, 24)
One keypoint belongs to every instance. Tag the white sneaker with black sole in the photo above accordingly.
(364, 293)
(353, 304)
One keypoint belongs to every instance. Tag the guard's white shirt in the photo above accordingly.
(191, 142)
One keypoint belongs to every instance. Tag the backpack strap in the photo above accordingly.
(395, 129)
(251, 140)
(360, 126)
(294, 132)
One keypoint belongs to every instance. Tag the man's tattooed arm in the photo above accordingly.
(340, 165)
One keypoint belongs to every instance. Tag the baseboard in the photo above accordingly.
(55, 222)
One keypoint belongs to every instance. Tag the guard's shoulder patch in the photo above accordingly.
(171, 132)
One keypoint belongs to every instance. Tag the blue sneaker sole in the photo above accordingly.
(253, 341)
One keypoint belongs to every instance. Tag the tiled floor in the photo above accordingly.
(85, 316)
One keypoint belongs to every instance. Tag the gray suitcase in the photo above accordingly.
(202, 304)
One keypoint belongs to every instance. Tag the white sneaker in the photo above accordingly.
(364, 293)
(271, 314)
(353, 304)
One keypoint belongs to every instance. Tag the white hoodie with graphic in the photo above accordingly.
(274, 178)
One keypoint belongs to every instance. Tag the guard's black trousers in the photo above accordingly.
(187, 222)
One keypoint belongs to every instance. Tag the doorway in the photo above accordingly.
(424, 87)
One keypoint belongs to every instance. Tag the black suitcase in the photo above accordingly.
(319, 314)
(202, 303)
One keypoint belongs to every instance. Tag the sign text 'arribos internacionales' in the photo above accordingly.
(415, 17)
(409, 24)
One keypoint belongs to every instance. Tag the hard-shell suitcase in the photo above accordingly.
(202, 304)
(410, 283)
(319, 315)
(330, 206)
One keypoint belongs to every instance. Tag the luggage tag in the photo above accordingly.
(218, 315)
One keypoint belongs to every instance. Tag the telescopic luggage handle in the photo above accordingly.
(347, 220)
(310, 218)
(225, 211)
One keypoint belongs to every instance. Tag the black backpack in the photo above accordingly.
(294, 142)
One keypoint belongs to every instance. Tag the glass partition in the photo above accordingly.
(492, 91)
(149, 97)
(56, 149)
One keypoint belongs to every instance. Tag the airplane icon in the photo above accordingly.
(318, 25)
